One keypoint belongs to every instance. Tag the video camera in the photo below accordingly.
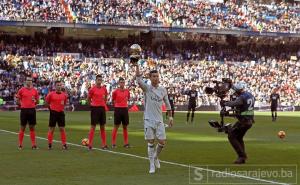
(221, 90)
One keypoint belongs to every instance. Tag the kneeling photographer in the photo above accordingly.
(244, 112)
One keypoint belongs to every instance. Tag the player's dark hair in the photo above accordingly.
(98, 76)
(121, 79)
(152, 72)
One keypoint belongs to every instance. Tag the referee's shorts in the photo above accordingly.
(57, 117)
(28, 115)
(98, 115)
(121, 116)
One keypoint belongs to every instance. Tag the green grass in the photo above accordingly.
(196, 145)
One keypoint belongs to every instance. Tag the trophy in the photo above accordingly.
(135, 53)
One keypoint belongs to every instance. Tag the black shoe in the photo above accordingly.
(20, 147)
(113, 146)
(49, 146)
(90, 148)
(65, 147)
(34, 147)
(104, 147)
(240, 160)
(127, 146)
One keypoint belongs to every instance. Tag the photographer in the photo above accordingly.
(244, 105)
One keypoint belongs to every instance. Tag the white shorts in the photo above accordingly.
(154, 129)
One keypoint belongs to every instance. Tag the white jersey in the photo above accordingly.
(153, 100)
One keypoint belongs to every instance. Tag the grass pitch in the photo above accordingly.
(195, 145)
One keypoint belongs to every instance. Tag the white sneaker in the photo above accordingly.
(152, 168)
(156, 162)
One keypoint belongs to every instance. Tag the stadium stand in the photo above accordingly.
(261, 66)
(247, 15)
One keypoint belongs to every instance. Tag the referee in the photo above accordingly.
(57, 100)
(97, 98)
(27, 99)
(120, 98)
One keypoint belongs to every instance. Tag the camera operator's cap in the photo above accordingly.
(239, 86)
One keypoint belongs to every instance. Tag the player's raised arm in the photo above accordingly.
(135, 55)
(139, 79)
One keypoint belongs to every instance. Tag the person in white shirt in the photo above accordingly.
(154, 96)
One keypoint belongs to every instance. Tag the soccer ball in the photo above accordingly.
(281, 134)
(85, 141)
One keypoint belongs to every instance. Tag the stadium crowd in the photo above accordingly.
(113, 12)
(245, 15)
(261, 67)
(50, 10)
(249, 15)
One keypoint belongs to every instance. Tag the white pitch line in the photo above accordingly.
(166, 162)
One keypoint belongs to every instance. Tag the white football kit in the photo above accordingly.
(153, 118)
